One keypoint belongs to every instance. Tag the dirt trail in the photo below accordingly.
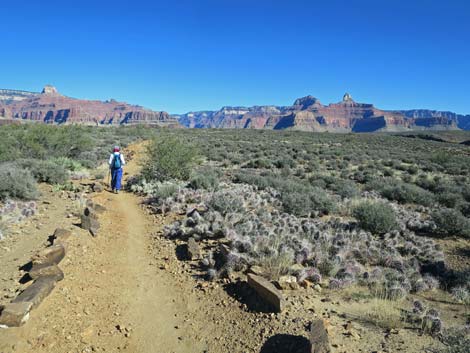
(113, 297)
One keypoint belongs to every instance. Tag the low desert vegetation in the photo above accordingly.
(340, 211)
(334, 210)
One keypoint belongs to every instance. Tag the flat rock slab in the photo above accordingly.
(267, 291)
(37, 291)
(319, 341)
(46, 270)
(61, 235)
(50, 255)
(15, 314)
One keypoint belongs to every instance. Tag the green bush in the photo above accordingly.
(402, 192)
(169, 158)
(375, 216)
(451, 222)
(206, 178)
(17, 183)
(45, 171)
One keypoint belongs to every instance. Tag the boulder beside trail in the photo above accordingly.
(61, 236)
(267, 291)
(193, 250)
(46, 270)
(49, 256)
(37, 291)
(89, 221)
(98, 187)
(95, 206)
(15, 314)
(319, 341)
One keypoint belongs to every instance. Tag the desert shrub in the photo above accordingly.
(464, 208)
(68, 163)
(46, 171)
(259, 163)
(169, 158)
(451, 222)
(205, 178)
(376, 217)
(461, 295)
(402, 192)
(165, 190)
(302, 201)
(448, 199)
(16, 183)
(344, 188)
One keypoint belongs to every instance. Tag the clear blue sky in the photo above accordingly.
(202, 54)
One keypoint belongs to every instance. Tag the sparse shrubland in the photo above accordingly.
(52, 154)
(337, 211)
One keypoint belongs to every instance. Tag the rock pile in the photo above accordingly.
(45, 273)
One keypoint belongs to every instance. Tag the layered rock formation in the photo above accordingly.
(309, 114)
(51, 107)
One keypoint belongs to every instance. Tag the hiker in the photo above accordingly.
(116, 161)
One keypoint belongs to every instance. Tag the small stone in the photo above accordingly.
(287, 282)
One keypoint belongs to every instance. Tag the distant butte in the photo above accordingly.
(309, 114)
(50, 106)
(306, 114)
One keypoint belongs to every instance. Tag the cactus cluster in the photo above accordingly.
(428, 319)
(258, 230)
(13, 212)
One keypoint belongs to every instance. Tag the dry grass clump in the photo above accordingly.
(381, 312)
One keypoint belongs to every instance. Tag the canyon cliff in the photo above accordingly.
(50, 106)
(309, 114)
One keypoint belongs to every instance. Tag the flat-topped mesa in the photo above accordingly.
(51, 107)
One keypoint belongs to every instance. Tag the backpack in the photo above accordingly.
(116, 161)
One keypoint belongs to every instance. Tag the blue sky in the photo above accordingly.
(203, 54)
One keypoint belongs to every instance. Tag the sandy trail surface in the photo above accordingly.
(114, 296)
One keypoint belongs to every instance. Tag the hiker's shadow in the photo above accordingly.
(284, 343)
(181, 252)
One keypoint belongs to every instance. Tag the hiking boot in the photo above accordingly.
(116, 191)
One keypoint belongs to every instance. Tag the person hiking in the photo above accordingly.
(116, 162)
